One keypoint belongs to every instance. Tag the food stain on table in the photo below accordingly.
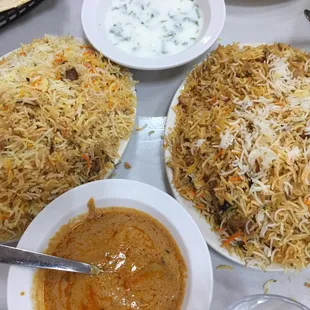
(142, 265)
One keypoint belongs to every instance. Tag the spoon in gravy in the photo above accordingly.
(25, 258)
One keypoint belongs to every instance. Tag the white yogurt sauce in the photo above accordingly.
(151, 28)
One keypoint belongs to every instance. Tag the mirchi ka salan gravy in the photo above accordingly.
(142, 265)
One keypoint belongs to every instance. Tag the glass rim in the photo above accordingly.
(267, 296)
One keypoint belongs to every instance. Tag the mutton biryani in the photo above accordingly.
(240, 151)
(64, 110)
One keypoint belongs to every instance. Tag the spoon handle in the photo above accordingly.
(14, 256)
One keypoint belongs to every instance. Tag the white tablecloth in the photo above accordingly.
(248, 21)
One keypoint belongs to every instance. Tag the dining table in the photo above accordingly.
(247, 21)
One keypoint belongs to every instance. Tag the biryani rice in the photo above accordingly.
(57, 130)
(240, 151)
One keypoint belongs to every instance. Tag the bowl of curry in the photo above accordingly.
(151, 253)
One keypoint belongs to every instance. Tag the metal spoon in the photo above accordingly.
(14, 256)
(307, 14)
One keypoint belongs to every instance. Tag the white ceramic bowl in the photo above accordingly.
(125, 193)
(93, 15)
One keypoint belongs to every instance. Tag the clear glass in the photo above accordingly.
(267, 302)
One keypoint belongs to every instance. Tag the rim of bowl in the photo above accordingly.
(215, 27)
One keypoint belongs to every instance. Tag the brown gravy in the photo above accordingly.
(143, 266)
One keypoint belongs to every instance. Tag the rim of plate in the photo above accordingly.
(217, 18)
(210, 236)
(127, 193)
(123, 144)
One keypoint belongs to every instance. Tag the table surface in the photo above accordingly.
(248, 21)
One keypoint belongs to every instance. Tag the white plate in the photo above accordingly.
(118, 193)
(211, 237)
(93, 15)
(122, 147)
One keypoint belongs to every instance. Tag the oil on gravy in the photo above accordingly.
(151, 28)
(142, 264)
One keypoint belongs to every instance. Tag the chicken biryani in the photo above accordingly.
(64, 112)
(240, 151)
